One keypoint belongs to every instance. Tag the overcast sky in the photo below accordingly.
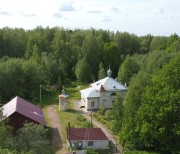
(141, 17)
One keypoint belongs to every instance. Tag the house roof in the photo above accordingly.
(86, 134)
(24, 108)
(108, 84)
(89, 92)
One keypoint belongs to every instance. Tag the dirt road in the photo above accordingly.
(54, 123)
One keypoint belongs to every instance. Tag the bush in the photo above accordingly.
(86, 124)
(102, 110)
(81, 118)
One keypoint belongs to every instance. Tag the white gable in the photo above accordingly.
(109, 84)
(89, 92)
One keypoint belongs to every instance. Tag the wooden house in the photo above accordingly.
(18, 111)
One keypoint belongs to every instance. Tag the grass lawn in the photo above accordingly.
(69, 116)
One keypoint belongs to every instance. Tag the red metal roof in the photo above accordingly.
(86, 134)
(24, 108)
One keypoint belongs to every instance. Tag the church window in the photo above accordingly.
(113, 94)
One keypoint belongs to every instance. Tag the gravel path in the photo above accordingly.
(56, 129)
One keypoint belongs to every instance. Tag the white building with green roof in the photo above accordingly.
(102, 93)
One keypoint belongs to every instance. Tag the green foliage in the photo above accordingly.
(102, 72)
(91, 151)
(112, 57)
(132, 103)
(117, 114)
(32, 138)
(102, 110)
(11, 77)
(145, 42)
(83, 71)
(86, 124)
(55, 56)
(127, 43)
(139, 152)
(81, 118)
(32, 79)
(158, 43)
(127, 70)
(158, 117)
(156, 60)
(83, 121)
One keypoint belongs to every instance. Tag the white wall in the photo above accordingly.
(91, 100)
(97, 144)
(105, 100)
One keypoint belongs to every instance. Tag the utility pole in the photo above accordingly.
(91, 114)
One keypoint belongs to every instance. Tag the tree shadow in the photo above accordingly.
(56, 141)
(74, 111)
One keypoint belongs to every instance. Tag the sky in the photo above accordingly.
(140, 17)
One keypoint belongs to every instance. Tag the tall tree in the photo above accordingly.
(83, 71)
(158, 119)
(127, 43)
(11, 77)
(128, 68)
(102, 72)
(132, 103)
(92, 53)
(112, 57)
(118, 114)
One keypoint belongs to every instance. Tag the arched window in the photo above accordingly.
(113, 94)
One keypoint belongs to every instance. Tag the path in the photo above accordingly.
(56, 129)
(86, 114)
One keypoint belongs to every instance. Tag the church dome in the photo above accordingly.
(109, 72)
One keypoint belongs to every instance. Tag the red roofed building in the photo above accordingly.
(82, 138)
(19, 111)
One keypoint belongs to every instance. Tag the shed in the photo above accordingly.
(82, 138)
(19, 111)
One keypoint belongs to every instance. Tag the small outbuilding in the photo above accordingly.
(63, 100)
(18, 111)
(84, 138)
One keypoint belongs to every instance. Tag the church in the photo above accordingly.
(102, 93)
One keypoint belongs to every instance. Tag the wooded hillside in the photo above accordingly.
(149, 65)
(55, 56)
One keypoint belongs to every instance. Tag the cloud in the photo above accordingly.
(114, 9)
(158, 11)
(125, 15)
(67, 6)
(28, 15)
(93, 11)
(57, 15)
(5, 13)
(106, 19)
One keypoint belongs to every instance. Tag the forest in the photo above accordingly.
(149, 117)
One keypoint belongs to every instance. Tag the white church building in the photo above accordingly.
(102, 93)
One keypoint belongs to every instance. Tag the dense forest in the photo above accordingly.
(149, 117)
